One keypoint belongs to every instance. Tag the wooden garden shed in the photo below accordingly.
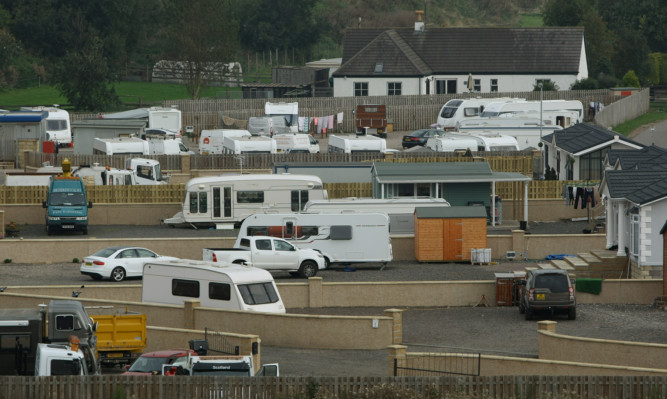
(449, 233)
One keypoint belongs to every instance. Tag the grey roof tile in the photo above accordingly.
(583, 136)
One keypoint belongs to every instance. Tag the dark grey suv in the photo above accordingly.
(548, 291)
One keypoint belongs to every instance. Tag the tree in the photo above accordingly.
(584, 84)
(630, 79)
(547, 85)
(203, 38)
(564, 12)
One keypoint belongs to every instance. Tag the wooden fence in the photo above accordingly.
(176, 387)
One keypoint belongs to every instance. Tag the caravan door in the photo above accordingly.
(223, 203)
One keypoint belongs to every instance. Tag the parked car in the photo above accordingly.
(420, 137)
(118, 263)
(548, 291)
(151, 363)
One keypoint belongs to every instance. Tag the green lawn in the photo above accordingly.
(657, 112)
(530, 20)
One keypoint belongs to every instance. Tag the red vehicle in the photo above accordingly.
(151, 363)
(371, 119)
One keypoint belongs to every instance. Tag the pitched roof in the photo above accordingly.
(638, 186)
(553, 50)
(647, 157)
(440, 172)
(583, 136)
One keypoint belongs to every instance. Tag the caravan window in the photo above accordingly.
(258, 294)
(198, 202)
(257, 231)
(219, 291)
(188, 288)
(56, 124)
(250, 197)
(299, 199)
(341, 233)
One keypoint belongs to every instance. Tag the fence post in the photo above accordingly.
(397, 354)
(396, 325)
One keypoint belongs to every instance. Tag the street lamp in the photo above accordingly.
(541, 85)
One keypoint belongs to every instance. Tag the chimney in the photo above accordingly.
(419, 24)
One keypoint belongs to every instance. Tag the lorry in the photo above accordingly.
(341, 237)
(371, 119)
(121, 337)
(23, 330)
(58, 127)
(296, 143)
(66, 202)
(210, 141)
(216, 285)
(287, 111)
(60, 359)
(269, 253)
(147, 171)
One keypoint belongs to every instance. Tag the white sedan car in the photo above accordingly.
(119, 262)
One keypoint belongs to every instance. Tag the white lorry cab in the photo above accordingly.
(228, 199)
(210, 141)
(214, 285)
(60, 359)
(58, 128)
(147, 171)
(296, 143)
(353, 144)
(341, 237)
(460, 109)
(120, 145)
(287, 111)
(400, 210)
(249, 145)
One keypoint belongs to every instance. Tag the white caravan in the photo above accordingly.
(210, 141)
(354, 144)
(400, 210)
(525, 130)
(249, 145)
(340, 237)
(485, 141)
(460, 109)
(452, 143)
(161, 146)
(297, 143)
(58, 127)
(120, 145)
(288, 111)
(229, 199)
(231, 287)
(155, 117)
(500, 108)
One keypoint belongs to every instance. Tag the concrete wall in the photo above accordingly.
(541, 210)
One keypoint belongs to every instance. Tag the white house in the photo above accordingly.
(407, 61)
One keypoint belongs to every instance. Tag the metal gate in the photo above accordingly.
(434, 364)
(218, 343)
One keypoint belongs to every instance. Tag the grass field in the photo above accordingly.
(657, 112)
(531, 20)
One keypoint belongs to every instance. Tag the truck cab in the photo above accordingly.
(60, 359)
(66, 203)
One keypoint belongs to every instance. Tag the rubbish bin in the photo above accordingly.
(523, 225)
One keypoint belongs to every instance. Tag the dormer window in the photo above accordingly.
(379, 67)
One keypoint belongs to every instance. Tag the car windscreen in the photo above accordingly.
(553, 282)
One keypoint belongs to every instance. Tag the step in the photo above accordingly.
(576, 261)
(546, 266)
(589, 257)
(604, 254)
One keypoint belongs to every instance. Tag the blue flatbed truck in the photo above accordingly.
(66, 203)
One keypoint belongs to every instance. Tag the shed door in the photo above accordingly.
(452, 239)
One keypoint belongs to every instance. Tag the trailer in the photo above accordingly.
(371, 119)
(349, 145)
(249, 145)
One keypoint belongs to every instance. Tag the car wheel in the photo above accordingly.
(308, 269)
(572, 313)
(528, 314)
(118, 274)
(327, 263)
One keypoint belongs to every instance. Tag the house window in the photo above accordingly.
(543, 81)
(445, 86)
(477, 85)
(590, 165)
(635, 235)
(394, 88)
(494, 85)
(361, 89)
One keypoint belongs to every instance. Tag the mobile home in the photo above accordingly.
(248, 145)
(58, 128)
(210, 141)
(229, 199)
(231, 287)
(459, 109)
(354, 144)
(400, 210)
(341, 237)
(120, 145)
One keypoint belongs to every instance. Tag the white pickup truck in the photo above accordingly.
(269, 253)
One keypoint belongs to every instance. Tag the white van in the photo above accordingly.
(229, 286)
(297, 143)
(354, 144)
(249, 145)
(160, 146)
(341, 237)
(459, 109)
(58, 127)
(211, 141)
(120, 145)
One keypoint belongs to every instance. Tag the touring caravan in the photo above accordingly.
(210, 141)
(248, 145)
(501, 108)
(58, 127)
(341, 237)
(459, 109)
(120, 145)
(288, 111)
(452, 143)
(229, 199)
(214, 285)
(168, 118)
(526, 131)
(354, 144)
(400, 210)
(296, 143)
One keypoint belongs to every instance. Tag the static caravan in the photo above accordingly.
(458, 109)
(341, 237)
(228, 199)
(399, 210)
(354, 144)
(120, 145)
(231, 287)
(210, 141)
(248, 145)
(58, 128)
(297, 143)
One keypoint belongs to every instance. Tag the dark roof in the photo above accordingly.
(432, 212)
(638, 186)
(647, 157)
(440, 172)
(583, 136)
(553, 50)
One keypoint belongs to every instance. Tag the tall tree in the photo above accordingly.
(203, 41)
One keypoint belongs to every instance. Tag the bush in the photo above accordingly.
(630, 79)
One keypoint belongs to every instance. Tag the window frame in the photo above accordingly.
(360, 89)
